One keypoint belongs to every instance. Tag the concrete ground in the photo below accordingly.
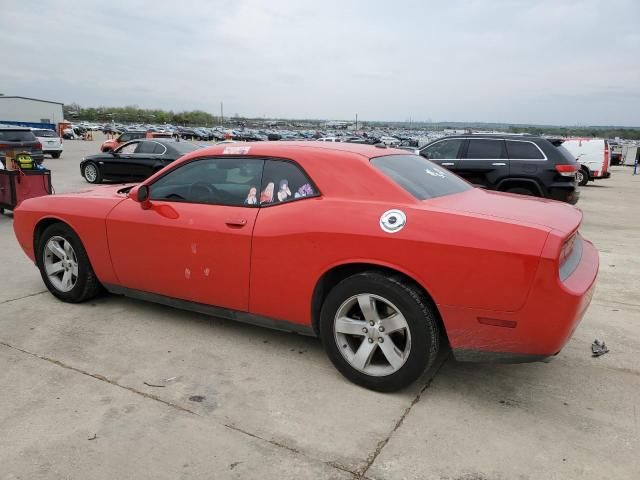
(118, 388)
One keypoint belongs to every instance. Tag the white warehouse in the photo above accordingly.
(30, 112)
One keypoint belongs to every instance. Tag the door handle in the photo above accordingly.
(498, 164)
(235, 222)
(448, 164)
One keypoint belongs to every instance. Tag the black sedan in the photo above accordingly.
(134, 161)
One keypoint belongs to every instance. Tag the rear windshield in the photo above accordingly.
(568, 156)
(17, 136)
(419, 176)
(44, 133)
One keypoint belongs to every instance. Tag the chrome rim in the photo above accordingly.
(91, 172)
(372, 334)
(579, 176)
(61, 264)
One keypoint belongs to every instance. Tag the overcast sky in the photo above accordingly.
(552, 62)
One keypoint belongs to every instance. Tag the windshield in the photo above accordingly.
(45, 133)
(419, 176)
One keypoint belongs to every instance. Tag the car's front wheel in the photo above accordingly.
(64, 265)
(91, 173)
(380, 332)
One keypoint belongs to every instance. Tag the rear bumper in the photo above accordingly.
(539, 330)
(569, 195)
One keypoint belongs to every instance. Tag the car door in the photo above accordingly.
(118, 164)
(147, 159)
(484, 162)
(445, 152)
(193, 243)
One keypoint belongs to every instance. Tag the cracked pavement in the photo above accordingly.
(118, 388)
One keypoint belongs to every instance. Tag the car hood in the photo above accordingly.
(510, 206)
(119, 191)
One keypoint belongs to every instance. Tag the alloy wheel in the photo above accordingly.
(372, 334)
(61, 264)
(90, 172)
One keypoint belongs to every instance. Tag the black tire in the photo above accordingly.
(56, 155)
(582, 176)
(415, 307)
(87, 285)
(98, 175)
(522, 191)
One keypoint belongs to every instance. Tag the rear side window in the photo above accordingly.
(146, 147)
(283, 181)
(523, 150)
(568, 156)
(17, 136)
(420, 177)
(485, 149)
(444, 149)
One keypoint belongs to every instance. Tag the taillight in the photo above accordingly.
(567, 248)
(567, 170)
(605, 164)
(37, 146)
(4, 145)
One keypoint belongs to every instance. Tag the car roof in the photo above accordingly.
(499, 136)
(282, 148)
(14, 127)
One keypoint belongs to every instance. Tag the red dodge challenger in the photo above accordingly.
(382, 254)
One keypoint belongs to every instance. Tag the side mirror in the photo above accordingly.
(141, 194)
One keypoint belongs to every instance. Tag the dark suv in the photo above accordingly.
(20, 139)
(522, 164)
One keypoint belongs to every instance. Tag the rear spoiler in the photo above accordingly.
(556, 141)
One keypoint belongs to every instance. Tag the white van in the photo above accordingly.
(593, 155)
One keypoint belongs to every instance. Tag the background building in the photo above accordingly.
(30, 112)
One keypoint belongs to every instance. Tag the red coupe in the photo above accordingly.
(382, 254)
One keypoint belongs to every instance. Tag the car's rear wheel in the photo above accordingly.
(55, 155)
(64, 265)
(92, 173)
(380, 332)
(582, 177)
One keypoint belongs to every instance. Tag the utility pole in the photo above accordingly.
(221, 114)
(356, 122)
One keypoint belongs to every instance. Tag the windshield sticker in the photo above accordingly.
(393, 221)
(235, 150)
(435, 172)
(252, 196)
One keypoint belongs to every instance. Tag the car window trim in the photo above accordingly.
(151, 154)
(544, 155)
(247, 157)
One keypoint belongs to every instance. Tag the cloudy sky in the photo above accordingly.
(552, 62)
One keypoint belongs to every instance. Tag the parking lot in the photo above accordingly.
(119, 388)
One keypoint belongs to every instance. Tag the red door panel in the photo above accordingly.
(194, 252)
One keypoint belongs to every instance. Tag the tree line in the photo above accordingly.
(134, 114)
(600, 132)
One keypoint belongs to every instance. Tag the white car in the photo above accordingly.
(593, 156)
(51, 142)
(390, 141)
